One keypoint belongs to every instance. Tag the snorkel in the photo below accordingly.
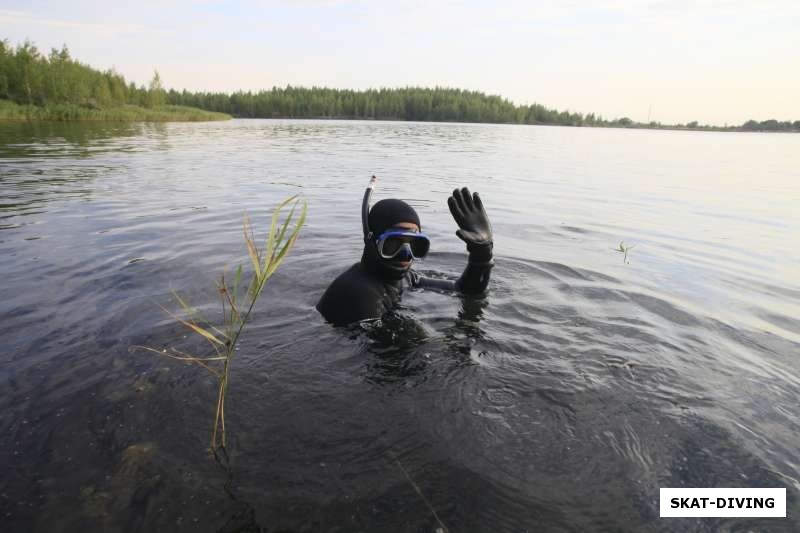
(365, 209)
(385, 268)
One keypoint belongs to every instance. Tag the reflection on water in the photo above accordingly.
(563, 400)
(46, 161)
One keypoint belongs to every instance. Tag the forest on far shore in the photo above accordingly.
(54, 86)
(51, 86)
(418, 103)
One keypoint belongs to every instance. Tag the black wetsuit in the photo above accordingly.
(362, 292)
(375, 285)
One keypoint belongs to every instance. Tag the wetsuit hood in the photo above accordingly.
(382, 216)
(386, 213)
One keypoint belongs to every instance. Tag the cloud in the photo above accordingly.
(105, 29)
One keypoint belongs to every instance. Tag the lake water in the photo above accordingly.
(562, 401)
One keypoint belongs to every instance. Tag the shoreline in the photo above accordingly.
(13, 112)
(736, 129)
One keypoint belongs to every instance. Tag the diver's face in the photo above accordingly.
(405, 226)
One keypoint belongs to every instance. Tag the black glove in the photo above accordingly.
(475, 230)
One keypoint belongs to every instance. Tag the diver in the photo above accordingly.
(393, 238)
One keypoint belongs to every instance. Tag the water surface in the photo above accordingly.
(562, 401)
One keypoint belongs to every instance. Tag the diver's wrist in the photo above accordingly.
(480, 253)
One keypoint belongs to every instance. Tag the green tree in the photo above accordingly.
(156, 95)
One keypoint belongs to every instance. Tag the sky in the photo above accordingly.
(673, 61)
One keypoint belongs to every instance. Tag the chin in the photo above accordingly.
(404, 264)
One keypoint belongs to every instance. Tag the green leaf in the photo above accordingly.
(193, 314)
(271, 238)
(290, 242)
(194, 327)
(251, 246)
(286, 223)
(236, 281)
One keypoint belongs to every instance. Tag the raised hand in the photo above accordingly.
(468, 212)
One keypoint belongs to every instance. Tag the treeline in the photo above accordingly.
(29, 77)
(418, 103)
(410, 103)
(750, 125)
(70, 90)
(771, 125)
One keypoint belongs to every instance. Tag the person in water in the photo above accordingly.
(393, 239)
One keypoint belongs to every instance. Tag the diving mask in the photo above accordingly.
(402, 245)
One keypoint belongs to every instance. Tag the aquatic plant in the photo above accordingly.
(624, 250)
(122, 113)
(237, 304)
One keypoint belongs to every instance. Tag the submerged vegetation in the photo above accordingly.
(238, 300)
(624, 249)
(35, 86)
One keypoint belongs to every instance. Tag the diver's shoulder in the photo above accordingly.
(355, 273)
(350, 297)
(351, 278)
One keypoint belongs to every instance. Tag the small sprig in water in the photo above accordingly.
(237, 305)
(624, 250)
